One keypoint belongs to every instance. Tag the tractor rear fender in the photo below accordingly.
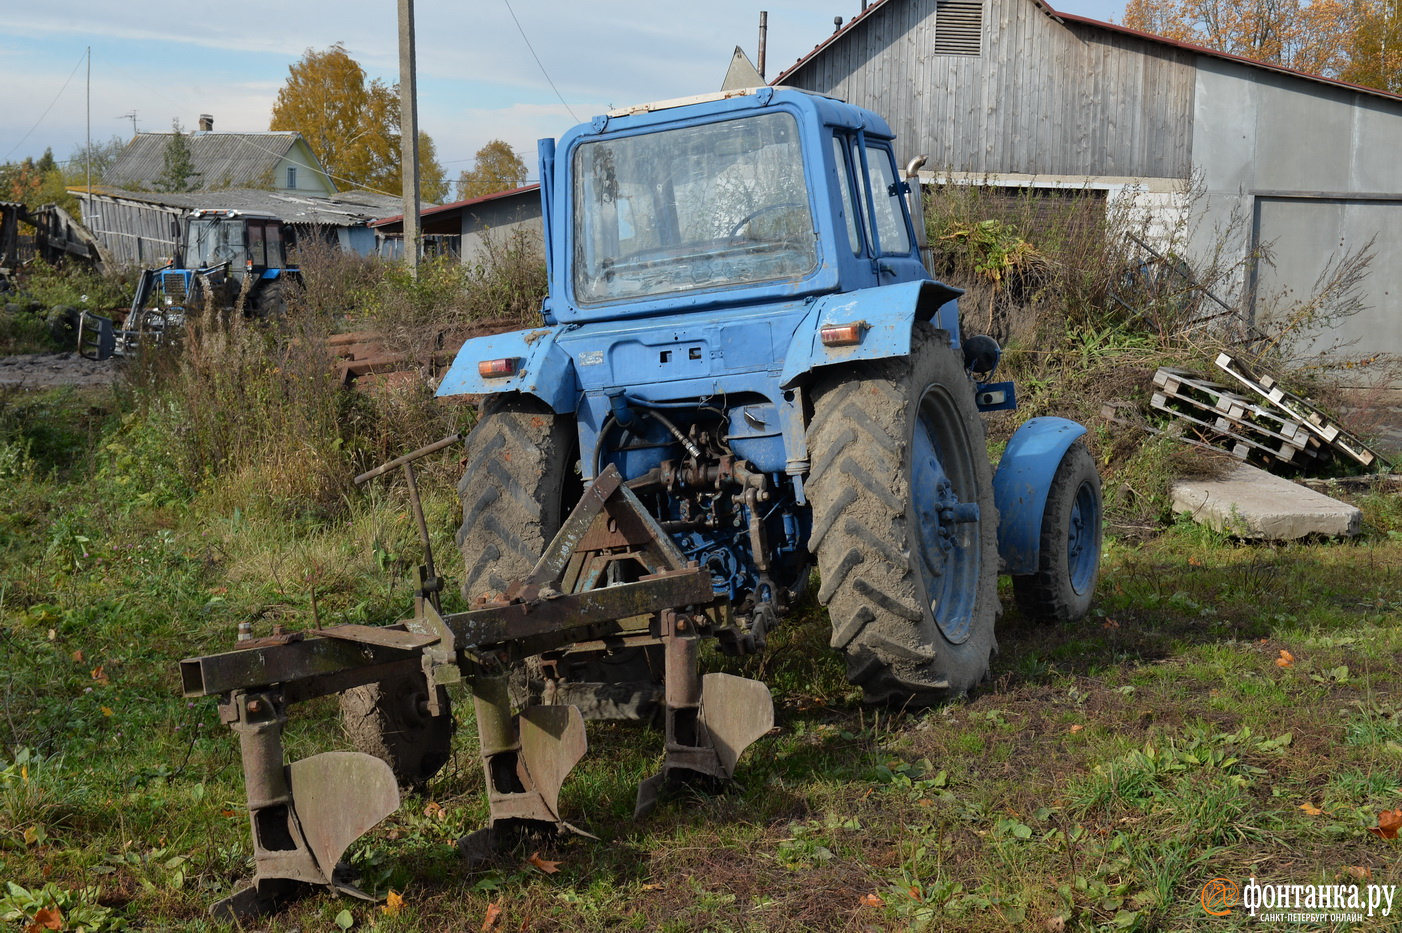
(1020, 488)
(883, 317)
(538, 367)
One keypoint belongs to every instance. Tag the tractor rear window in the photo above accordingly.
(700, 207)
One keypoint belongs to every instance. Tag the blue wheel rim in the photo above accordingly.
(1083, 538)
(944, 502)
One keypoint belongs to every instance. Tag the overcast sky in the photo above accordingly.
(164, 60)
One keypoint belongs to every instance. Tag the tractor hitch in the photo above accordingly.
(611, 578)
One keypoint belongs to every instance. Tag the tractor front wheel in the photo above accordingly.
(1068, 560)
(904, 525)
(392, 721)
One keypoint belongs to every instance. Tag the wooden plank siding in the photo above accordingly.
(1043, 97)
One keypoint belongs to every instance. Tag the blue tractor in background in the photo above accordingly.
(744, 371)
(740, 322)
(230, 259)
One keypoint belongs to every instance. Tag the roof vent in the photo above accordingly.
(959, 27)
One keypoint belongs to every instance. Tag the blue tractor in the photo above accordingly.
(227, 258)
(744, 370)
(741, 323)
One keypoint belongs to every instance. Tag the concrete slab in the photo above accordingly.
(1251, 503)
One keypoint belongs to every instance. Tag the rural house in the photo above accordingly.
(459, 228)
(1016, 93)
(272, 173)
(280, 161)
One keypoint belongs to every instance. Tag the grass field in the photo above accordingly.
(1228, 710)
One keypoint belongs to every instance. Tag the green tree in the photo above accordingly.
(178, 166)
(496, 167)
(351, 121)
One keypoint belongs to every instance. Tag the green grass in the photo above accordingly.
(1107, 771)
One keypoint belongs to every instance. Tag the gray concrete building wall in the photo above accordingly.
(1311, 172)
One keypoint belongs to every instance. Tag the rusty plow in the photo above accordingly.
(610, 580)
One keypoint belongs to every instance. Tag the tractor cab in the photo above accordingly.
(251, 244)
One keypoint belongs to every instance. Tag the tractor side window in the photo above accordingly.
(886, 199)
(257, 249)
(841, 156)
(277, 258)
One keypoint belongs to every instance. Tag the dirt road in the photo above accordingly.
(48, 370)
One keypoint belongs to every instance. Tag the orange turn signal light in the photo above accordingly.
(496, 369)
(843, 335)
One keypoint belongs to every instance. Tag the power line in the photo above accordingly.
(48, 108)
(537, 59)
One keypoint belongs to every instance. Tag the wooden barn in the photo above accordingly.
(1012, 92)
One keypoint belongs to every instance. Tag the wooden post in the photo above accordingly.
(409, 134)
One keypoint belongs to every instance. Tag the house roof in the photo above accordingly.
(229, 160)
(344, 209)
(1108, 27)
(459, 206)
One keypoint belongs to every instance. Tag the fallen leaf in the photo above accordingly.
(228, 814)
(1389, 821)
(492, 916)
(1110, 623)
(345, 920)
(1359, 872)
(394, 903)
(434, 810)
(871, 900)
(1286, 659)
(33, 834)
(1311, 809)
(652, 887)
(106, 710)
(48, 918)
(925, 802)
(548, 867)
(1077, 727)
(78, 656)
(99, 676)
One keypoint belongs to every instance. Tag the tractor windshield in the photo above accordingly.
(217, 240)
(699, 207)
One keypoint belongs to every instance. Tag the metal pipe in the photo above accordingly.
(763, 39)
(384, 468)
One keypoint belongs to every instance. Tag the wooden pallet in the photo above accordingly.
(1231, 422)
(1302, 410)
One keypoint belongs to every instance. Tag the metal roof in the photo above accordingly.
(227, 160)
(345, 209)
(1108, 27)
(458, 206)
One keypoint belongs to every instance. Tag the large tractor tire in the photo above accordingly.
(904, 525)
(391, 720)
(519, 485)
(1068, 562)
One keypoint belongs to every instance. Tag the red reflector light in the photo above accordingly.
(843, 335)
(495, 369)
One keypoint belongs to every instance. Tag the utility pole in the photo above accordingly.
(409, 134)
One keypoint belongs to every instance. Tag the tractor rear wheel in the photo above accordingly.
(519, 486)
(904, 525)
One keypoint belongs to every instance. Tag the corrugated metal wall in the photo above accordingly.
(1041, 97)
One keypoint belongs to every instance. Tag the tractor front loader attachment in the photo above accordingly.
(610, 579)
